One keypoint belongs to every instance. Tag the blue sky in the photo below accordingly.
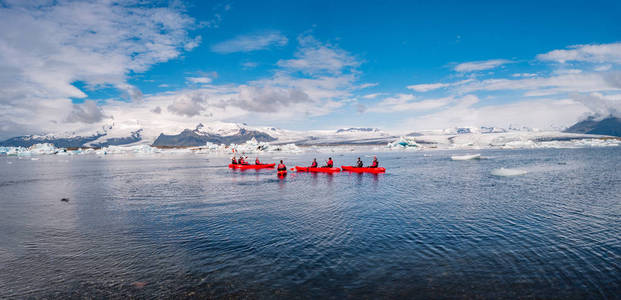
(301, 65)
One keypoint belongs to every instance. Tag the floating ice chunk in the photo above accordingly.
(403, 142)
(252, 146)
(45, 148)
(466, 157)
(508, 172)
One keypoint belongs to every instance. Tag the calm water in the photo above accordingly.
(185, 226)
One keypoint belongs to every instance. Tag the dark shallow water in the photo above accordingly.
(185, 226)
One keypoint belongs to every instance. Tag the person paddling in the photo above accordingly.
(314, 164)
(375, 163)
(234, 161)
(281, 166)
(242, 161)
(257, 162)
(329, 163)
(359, 163)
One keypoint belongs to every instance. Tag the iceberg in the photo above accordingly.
(508, 172)
(404, 142)
(466, 157)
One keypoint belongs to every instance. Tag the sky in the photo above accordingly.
(402, 66)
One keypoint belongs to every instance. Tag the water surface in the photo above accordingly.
(187, 226)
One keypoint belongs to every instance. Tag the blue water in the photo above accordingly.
(187, 226)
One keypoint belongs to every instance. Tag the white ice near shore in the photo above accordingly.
(502, 140)
(251, 146)
(37, 149)
(508, 172)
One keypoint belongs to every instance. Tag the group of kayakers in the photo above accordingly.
(282, 167)
(242, 161)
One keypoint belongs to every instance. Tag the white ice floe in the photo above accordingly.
(508, 172)
(36, 149)
(252, 146)
(466, 157)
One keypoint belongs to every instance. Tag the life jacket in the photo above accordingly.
(314, 164)
(359, 164)
(282, 167)
(330, 164)
(257, 162)
(374, 164)
(233, 161)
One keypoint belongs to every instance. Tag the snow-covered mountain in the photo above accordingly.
(108, 135)
(229, 134)
(236, 133)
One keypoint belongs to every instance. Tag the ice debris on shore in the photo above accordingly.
(251, 146)
(535, 140)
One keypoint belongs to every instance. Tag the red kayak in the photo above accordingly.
(245, 167)
(363, 170)
(325, 170)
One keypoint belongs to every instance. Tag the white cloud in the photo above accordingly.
(603, 68)
(371, 96)
(593, 53)
(600, 104)
(480, 65)
(524, 75)
(249, 65)
(567, 71)
(268, 99)
(367, 85)
(543, 114)
(427, 87)
(405, 102)
(584, 82)
(203, 80)
(316, 58)
(45, 48)
(87, 112)
(188, 105)
(251, 42)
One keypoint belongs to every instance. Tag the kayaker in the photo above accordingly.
(375, 163)
(329, 163)
(234, 161)
(359, 163)
(257, 162)
(314, 164)
(242, 161)
(281, 166)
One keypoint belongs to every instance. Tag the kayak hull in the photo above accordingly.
(363, 170)
(322, 170)
(246, 167)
